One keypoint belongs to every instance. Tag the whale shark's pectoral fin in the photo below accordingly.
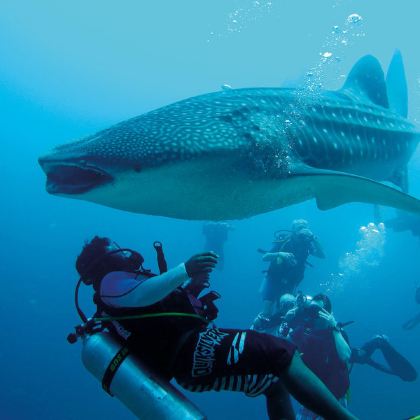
(332, 189)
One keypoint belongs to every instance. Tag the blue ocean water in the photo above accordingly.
(69, 69)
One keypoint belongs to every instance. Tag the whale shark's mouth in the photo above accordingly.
(73, 178)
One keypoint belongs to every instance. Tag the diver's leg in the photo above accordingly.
(310, 391)
(262, 320)
(268, 308)
(398, 364)
(278, 403)
(253, 362)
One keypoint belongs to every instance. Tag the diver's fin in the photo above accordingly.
(332, 189)
(367, 81)
(396, 84)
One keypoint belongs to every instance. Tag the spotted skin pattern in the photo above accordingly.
(268, 127)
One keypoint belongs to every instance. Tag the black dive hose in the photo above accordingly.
(79, 329)
(76, 301)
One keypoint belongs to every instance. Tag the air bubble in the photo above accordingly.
(354, 19)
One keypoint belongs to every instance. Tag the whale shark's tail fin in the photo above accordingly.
(366, 82)
(396, 84)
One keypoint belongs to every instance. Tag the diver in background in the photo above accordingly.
(165, 322)
(413, 322)
(405, 221)
(288, 260)
(398, 365)
(216, 234)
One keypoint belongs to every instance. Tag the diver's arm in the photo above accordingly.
(341, 345)
(270, 256)
(150, 290)
(280, 258)
(316, 248)
(343, 349)
(130, 292)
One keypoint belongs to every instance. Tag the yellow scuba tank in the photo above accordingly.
(124, 376)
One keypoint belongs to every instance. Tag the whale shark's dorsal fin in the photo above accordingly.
(367, 81)
(396, 84)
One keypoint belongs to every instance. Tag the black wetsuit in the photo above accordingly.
(201, 357)
(284, 278)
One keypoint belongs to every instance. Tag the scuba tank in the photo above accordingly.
(134, 384)
(123, 375)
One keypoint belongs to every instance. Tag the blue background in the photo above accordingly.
(70, 68)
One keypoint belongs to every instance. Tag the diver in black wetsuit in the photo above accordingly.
(288, 260)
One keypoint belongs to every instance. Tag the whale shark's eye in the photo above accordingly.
(137, 168)
(226, 118)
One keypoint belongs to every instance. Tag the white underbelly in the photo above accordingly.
(205, 190)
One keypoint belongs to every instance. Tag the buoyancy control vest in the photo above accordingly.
(154, 332)
(291, 276)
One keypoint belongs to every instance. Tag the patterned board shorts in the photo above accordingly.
(232, 360)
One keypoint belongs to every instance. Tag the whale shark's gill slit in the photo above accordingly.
(73, 179)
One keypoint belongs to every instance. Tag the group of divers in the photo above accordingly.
(295, 347)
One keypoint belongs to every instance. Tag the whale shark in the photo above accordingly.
(236, 153)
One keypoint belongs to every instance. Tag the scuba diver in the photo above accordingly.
(216, 234)
(288, 260)
(398, 365)
(413, 322)
(166, 322)
(323, 344)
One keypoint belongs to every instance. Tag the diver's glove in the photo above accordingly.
(201, 263)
